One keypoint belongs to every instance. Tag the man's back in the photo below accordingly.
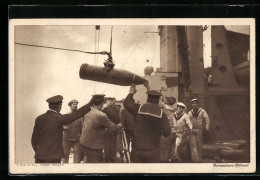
(150, 123)
(127, 120)
(147, 132)
(93, 130)
(112, 113)
(49, 140)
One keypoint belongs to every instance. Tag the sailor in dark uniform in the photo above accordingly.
(110, 142)
(48, 130)
(150, 123)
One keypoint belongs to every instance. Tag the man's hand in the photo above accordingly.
(161, 104)
(132, 89)
(91, 101)
(120, 125)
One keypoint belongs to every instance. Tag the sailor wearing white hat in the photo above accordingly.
(200, 120)
(181, 121)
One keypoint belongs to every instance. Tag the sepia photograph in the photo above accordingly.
(132, 96)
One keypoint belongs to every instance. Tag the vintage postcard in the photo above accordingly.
(132, 96)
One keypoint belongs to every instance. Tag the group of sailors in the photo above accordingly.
(153, 132)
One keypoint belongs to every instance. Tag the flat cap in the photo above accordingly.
(110, 98)
(154, 93)
(55, 99)
(99, 95)
(73, 101)
(181, 104)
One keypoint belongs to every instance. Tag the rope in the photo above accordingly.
(95, 45)
(95, 59)
(98, 44)
(111, 41)
(216, 59)
(141, 39)
(110, 52)
(65, 49)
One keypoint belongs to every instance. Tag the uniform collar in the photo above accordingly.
(178, 116)
(53, 110)
(195, 113)
(150, 110)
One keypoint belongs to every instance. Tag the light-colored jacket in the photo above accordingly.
(93, 131)
(200, 120)
(182, 122)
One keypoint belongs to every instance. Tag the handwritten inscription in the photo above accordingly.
(236, 165)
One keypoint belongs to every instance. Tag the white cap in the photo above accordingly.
(181, 104)
(195, 99)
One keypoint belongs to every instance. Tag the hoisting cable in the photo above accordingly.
(111, 41)
(65, 49)
(95, 46)
(98, 28)
(95, 59)
(110, 56)
(109, 65)
(97, 34)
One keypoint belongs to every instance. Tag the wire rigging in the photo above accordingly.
(95, 46)
(133, 49)
(95, 56)
(110, 54)
(97, 35)
(111, 41)
(215, 61)
(154, 51)
(65, 49)
(98, 43)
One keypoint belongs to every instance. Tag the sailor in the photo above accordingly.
(94, 125)
(127, 120)
(47, 133)
(200, 120)
(150, 123)
(167, 144)
(181, 122)
(110, 141)
(71, 135)
(171, 101)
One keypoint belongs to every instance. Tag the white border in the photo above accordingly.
(131, 168)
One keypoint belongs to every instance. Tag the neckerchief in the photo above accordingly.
(195, 113)
(177, 117)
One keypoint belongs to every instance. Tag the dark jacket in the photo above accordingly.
(150, 124)
(47, 133)
(112, 113)
(127, 120)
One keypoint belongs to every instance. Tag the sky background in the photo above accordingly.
(41, 73)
